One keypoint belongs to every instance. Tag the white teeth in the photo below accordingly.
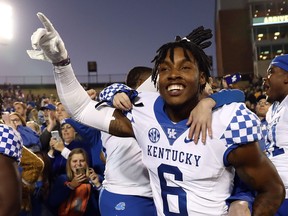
(175, 87)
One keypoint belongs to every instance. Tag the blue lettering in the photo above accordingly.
(197, 158)
(168, 153)
(161, 153)
(174, 155)
(181, 154)
(155, 151)
(188, 158)
(149, 150)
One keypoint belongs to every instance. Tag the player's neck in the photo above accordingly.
(179, 113)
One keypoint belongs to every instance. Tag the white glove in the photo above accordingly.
(46, 43)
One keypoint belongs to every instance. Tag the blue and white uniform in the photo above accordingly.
(277, 141)
(10, 143)
(125, 172)
(126, 187)
(189, 179)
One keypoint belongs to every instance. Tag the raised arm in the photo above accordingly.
(49, 46)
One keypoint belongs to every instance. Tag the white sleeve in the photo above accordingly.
(65, 152)
(78, 103)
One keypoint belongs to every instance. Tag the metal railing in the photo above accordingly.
(43, 80)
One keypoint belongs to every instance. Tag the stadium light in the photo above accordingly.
(6, 23)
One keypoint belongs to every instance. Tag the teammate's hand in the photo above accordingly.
(239, 208)
(46, 43)
(92, 94)
(122, 101)
(200, 120)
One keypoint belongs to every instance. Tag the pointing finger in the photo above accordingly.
(46, 22)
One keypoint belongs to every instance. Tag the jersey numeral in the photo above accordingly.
(276, 150)
(167, 190)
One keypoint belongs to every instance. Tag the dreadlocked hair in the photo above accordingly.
(199, 55)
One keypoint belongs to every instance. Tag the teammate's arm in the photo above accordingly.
(200, 118)
(257, 171)
(79, 105)
(10, 187)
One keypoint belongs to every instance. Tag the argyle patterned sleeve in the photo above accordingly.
(10, 142)
(243, 128)
(107, 94)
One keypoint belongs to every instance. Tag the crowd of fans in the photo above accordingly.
(11, 93)
(252, 88)
(45, 163)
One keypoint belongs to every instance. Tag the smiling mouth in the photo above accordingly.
(175, 87)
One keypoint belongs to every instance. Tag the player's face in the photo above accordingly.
(179, 81)
(276, 84)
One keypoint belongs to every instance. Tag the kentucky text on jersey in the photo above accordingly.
(174, 155)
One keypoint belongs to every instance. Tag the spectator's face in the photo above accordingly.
(262, 107)
(19, 109)
(41, 117)
(61, 113)
(48, 113)
(68, 133)
(179, 81)
(77, 161)
(15, 120)
(207, 90)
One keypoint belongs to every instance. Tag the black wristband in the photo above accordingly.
(64, 62)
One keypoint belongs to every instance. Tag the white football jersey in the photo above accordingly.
(189, 179)
(125, 172)
(277, 138)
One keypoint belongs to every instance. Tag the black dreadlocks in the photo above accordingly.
(199, 36)
(195, 42)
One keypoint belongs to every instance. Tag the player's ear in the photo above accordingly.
(202, 78)
(286, 78)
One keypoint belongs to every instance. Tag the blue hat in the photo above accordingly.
(260, 97)
(48, 106)
(281, 62)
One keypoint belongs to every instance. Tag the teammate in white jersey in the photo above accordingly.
(126, 187)
(186, 179)
(276, 84)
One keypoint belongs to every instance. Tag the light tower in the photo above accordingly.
(6, 23)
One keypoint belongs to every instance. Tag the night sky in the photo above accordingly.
(118, 35)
